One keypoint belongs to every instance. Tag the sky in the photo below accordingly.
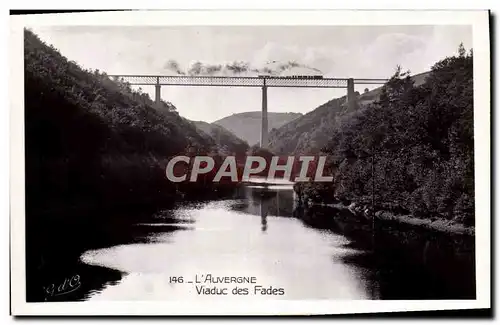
(337, 51)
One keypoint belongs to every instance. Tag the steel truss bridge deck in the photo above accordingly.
(271, 81)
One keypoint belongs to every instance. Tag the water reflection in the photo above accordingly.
(222, 241)
(263, 214)
(273, 200)
(314, 254)
(276, 201)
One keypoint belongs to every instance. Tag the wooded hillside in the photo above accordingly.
(421, 140)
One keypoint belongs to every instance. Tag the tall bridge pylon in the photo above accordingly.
(263, 82)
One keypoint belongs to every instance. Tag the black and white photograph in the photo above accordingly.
(258, 163)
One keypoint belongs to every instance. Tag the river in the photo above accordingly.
(254, 233)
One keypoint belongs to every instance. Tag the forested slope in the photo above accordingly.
(92, 142)
(227, 142)
(421, 141)
(309, 133)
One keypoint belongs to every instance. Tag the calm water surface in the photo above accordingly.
(255, 234)
(252, 236)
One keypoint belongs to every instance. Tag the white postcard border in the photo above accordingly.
(482, 103)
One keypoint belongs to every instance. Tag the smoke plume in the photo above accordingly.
(198, 68)
(174, 66)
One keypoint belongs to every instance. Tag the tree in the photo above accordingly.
(461, 50)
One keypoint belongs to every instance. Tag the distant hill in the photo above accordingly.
(310, 132)
(226, 141)
(247, 125)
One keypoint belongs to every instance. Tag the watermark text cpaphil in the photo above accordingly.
(296, 169)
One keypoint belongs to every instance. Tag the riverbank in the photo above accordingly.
(441, 225)
(321, 195)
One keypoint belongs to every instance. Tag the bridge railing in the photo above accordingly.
(236, 81)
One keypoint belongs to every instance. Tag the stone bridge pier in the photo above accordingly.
(351, 95)
(157, 92)
(264, 132)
